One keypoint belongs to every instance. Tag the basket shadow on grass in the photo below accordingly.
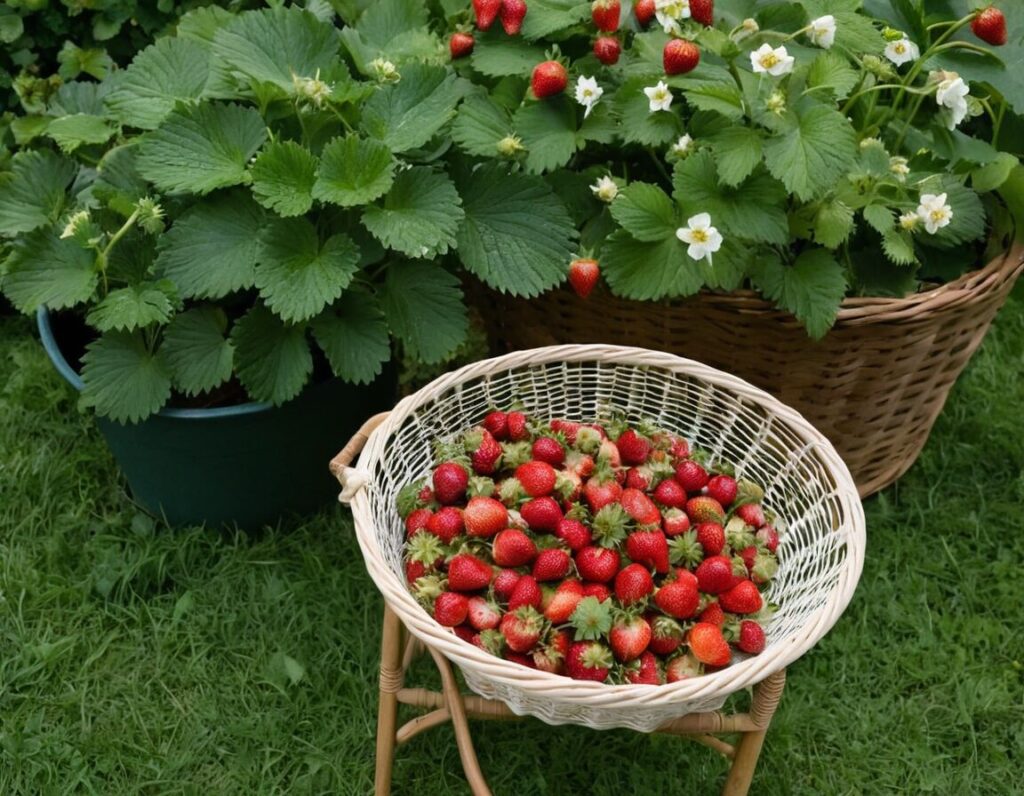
(135, 660)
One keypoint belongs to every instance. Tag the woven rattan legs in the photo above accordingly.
(398, 649)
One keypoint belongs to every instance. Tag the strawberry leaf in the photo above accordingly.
(879, 218)
(738, 152)
(354, 171)
(646, 212)
(899, 246)
(70, 132)
(196, 351)
(833, 223)
(272, 358)
(32, 192)
(134, 307)
(832, 72)
(124, 380)
(548, 130)
(812, 151)
(420, 214)
(501, 57)
(283, 177)
(479, 125)
(43, 269)
(649, 270)
(812, 288)
(424, 309)
(354, 335)
(550, 16)
(640, 125)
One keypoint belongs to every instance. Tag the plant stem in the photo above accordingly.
(103, 256)
(909, 120)
(660, 166)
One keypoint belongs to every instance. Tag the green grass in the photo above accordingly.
(135, 660)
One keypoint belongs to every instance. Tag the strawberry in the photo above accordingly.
(633, 584)
(607, 50)
(752, 514)
(574, 533)
(678, 599)
(547, 658)
(522, 628)
(537, 478)
(605, 14)
(446, 524)
(715, 575)
(598, 564)
(564, 601)
(713, 614)
(629, 637)
(640, 507)
(505, 583)
(450, 482)
(584, 272)
(681, 667)
(525, 592)
(588, 660)
(649, 548)
(751, 637)
(678, 448)
(600, 491)
(542, 514)
(512, 14)
(484, 517)
(705, 509)
(608, 452)
(743, 598)
(484, 451)
(518, 429)
(468, 573)
(680, 56)
(497, 424)
(417, 521)
(675, 522)
(691, 476)
(589, 439)
(769, 537)
(749, 555)
(633, 447)
(598, 591)
(703, 11)
(990, 26)
(513, 548)
(639, 478)
(708, 645)
(723, 489)
(666, 635)
(687, 578)
(711, 536)
(460, 44)
(549, 79)
(450, 609)
(486, 12)
(483, 615)
(670, 493)
(549, 450)
(520, 658)
(567, 428)
(644, 11)
(551, 564)
(414, 570)
(466, 633)
(644, 670)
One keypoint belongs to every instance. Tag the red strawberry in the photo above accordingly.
(675, 522)
(525, 592)
(629, 637)
(513, 548)
(649, 548)
(743, 598)
(542, 514)
(703, 11)
(605, 14)
(550, 655)
(537, 478)
(715, 574)
(484, 516)
(518, 429)
(588, 660)
(512, 14)
(550, 450)
(505, 583)
(769, 537)
(600, 491)
(677, 598)
(990, 26)
(751, 514)
(678, 448)
(607, 49)
(705, 509)
(446, 524)
(691, 476)
(549, 78)
(708, 645)
(596, 590)
(564, 601)
(484, 451)
(417, 521)
(450, 609)
(522, 628)
(598, 564)
(450, 482)
(483, 615)
(633, 448)
(551, 564)
(497, 424)
(460, 45)
(639, 478)
(681, 667)
(468, 573)
(644, 11)
(486, 12)
(583, 272)
(711, 536)
(749, 555)
(751, 637)
(414, 570)
(670, 493)
(640, 507)
(687, 578)
(574, 533)
(666, 635)
(713, 614)
(680, 56)
(466, 633)
(520, 658)
(644, 670)
(632, 584)
(723, 489)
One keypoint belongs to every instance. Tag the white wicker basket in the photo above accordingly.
(806, 483)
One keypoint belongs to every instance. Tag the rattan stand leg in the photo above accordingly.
(392, 673)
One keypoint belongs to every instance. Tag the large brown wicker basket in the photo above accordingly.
(874, 385)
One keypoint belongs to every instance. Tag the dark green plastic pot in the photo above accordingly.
(247, 465)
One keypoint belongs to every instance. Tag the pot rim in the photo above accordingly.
(72, 377)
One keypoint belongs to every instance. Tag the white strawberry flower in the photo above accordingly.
(660, 97)
(669, 12)
(683, 146)
(900, 167)
(312, 88)
(902, 51)
(934, 212)
(909, 221)
(588, 94)
(385, 71)
(773, 61)
(952, 94)
(605, 189)
(703, 239)
(823, 31)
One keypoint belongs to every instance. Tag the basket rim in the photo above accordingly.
(560, 688)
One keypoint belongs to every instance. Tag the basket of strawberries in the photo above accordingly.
(606, 536)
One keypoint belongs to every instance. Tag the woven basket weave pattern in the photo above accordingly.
(806, 483)
(874, 385)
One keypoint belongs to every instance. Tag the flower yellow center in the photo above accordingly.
(899, 48)
(699, 235)
(768, 60)
(938, 215)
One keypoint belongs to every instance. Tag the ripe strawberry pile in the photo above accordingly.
(599, 551)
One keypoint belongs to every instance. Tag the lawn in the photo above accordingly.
(137, 660)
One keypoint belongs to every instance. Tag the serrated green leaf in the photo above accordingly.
(879, 218)
(479, 125)
(354, 171)
(548, 130)
(75, 61)
(70, 132)
(550, 16)
(272, 358)
(875, 159)
(833, 223)
(855, 31)
(43, 269)
(201, 24)
(354, 335)
(420, 214)
(640, 125)
(832, 72)
(500, 57)
(424, 309)
(211, 250)
(517, 236)
(646, 212)
(991, 176)
(720, 97)
(812, 289)
(169, 71)
(649, 271)
(385, 20)
(814, 149)
(11, 27)
(283, 177)
(202, 148)
(32, 193)
(297, 276)
(124, 380)
(405, 115)
(899, 246)
(738, 152)
(118, 182)
(134, 307)
(79, 96)
(198, 354)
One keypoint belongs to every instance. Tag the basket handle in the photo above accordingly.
(351, 479)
